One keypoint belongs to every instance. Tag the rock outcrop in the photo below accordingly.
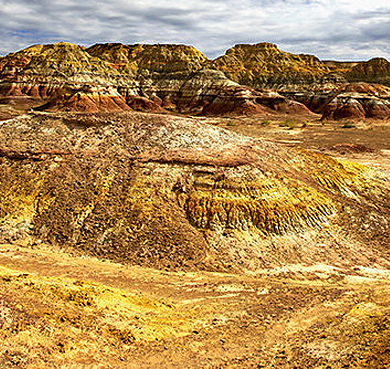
(358, 100)
(160, 58)
(264, 65)
(87, 99)
(376, 70)
(172, 192)
(55, 63)
(346, 100)
(111, 77)
(179, 78)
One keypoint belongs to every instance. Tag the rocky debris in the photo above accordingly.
(165, 191)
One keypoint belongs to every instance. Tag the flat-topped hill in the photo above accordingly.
(154, 58)
(51, 63)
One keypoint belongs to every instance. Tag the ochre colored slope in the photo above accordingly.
(171, 192)
(265, 65)
(49, 63)
(376, 70)
(153, 58)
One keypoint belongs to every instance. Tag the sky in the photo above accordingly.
(330, 29)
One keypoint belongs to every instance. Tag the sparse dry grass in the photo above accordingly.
(53, 321)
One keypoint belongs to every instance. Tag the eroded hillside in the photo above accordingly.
(147, 239)
(172, 192)
(180, 79)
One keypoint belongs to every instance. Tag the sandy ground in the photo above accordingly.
(291, 317)
(366, 142)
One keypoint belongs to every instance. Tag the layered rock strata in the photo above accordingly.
(264, 65)
(179, 78)
(114, 77)
(346, 100)
(171, 192)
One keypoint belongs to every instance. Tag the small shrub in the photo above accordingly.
(265, 123)
(230, 124)
(348, 125)
(287, 123)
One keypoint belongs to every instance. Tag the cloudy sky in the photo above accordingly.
(331, 29)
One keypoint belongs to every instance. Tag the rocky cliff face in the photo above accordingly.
(264, 64)
(137, 59)
(171, 192)
(57, 63)
(59, 75)
(376, 70)
(111, 77)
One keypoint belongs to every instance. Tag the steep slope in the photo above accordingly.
(264, 64)
(166, 58)
(171, 192)
(111, 77)
(60, 62)
(376, 70)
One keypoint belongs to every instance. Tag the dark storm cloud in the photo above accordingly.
(345, 29)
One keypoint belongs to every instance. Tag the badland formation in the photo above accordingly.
(161, 209)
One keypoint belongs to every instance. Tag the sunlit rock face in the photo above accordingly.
(112, 77)
(263, 64)
(166, 191)
(179, 78)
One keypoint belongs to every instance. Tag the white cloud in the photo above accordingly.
(345, 29)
